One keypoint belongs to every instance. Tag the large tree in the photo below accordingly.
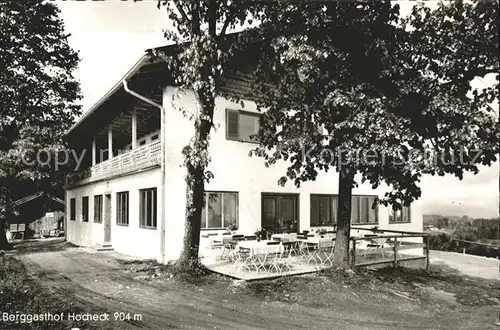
(387, 93)
(200, 29)
(37, 99)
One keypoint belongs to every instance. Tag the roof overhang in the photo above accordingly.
(148, 76)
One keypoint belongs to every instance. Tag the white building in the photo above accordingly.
(134, 198)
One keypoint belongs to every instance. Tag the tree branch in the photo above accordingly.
(230, 16)
(181, 10)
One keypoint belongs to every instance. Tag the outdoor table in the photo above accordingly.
(260, 247)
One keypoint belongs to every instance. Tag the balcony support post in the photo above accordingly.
(93, 152)
(110, 142)
(134, 129)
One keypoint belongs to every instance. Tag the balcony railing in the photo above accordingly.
(140, 158)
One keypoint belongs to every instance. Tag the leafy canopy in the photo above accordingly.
(392, 96)
(37, 91)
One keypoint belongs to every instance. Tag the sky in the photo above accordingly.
(112, 35)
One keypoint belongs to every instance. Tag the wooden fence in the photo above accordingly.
(384, 247)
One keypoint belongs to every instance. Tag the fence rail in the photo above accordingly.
(379, 248)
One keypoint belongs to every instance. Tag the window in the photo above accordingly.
(220, 210)
(324, 210)
(147, 208)
(362, 211)
(122, 208)
(400, 216)
(85, 209)
(98, 208)
(242, 125)
(72, 209)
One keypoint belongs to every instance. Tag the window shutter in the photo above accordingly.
(232, 123)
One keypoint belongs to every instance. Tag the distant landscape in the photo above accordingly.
(464, 234)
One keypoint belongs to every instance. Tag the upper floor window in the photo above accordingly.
(362, 212)
(400, 216)
(242, 125)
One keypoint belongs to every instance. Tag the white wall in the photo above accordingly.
(235, 171)
(131, 239)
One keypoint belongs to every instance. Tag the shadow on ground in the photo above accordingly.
(41, 245)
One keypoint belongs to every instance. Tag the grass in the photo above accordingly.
(24, 295)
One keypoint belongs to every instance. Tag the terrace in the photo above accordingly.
(246, 257)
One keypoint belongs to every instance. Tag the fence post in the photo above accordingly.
(427, 253)
(395, 252)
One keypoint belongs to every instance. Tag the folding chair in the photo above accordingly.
(227, 246)
(275, 260)
(325, 251)
(244, 259)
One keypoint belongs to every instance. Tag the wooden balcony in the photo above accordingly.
(143, 157)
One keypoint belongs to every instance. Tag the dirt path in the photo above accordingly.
(487, 268)
(98, 281)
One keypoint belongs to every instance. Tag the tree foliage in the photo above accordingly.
(394, 105)
(37, 96)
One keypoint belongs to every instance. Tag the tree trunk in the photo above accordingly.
(195, 189)
(194, 204)
(341, 255)
(197, 156)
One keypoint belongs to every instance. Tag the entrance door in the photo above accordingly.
(107, 218)
(279, 213)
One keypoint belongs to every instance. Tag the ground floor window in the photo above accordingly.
(220, 210)
(147, 208)
(72, 209)
(363, 211)
(85, 209)
(122, 208)
(98, 208)
(324, 210)
(401, 215)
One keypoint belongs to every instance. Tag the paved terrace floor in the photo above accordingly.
(210, 258)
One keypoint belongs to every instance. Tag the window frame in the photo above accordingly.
(72, 209)
(122, 213)
(206, 228)
(377, 217)
(85, 209)
(391, 210)
(98, 208)
(240, 112)
(143, 222)
(330, 197)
